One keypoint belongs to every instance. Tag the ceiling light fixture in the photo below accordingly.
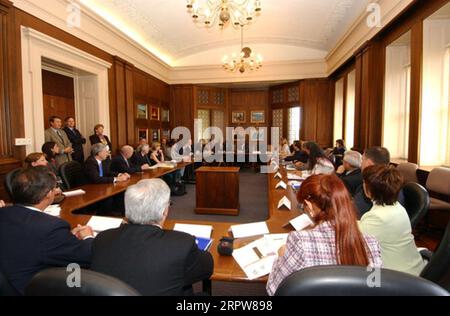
(245, 60)
(238, 12)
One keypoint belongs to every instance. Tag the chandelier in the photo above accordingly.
(238, 12)
(246, 59)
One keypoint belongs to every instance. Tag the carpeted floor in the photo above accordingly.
(252, 198)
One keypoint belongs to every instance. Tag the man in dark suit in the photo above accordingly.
(152, 260)
(350, 171)
(97, 167)
(76, 139)
(122, 163)
(372, 156)
(31, 240)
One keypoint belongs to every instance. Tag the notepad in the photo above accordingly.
(100, 223)
(281, 185)
(201, 231)
(301, 222)
(74, 193)
(284, 202)
(248, 230)
(203, 243)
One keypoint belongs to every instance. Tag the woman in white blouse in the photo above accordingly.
(285, 151)
(318, 163)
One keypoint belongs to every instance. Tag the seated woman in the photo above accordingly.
(156, 157)
(98, 137)
(333, 240)
(50, 149)
(318, 163)
(388, 221)
(284, 148)
(337, 154)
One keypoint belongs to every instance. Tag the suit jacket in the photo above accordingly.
(140, 160)
(298, 156)
(93, 173)
(352, 180)
(62, 142)
(362, 202)
(77, 141)
(94, 139)
(152, 260)
(32, 241)
(119, 164)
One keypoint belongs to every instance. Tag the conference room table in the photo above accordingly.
(225, 267)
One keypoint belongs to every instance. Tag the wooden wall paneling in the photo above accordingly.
(310, 99)
(132, 138)
(119, 71)
(375, 87)
(182, 107)
(325, 113)
(113, 116)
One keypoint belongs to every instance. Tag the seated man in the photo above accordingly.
(350, 171)
(98, 170)
(299, 154)
(31, 240)
(152, 260)
(122, 163)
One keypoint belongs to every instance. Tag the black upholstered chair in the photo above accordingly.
(53, 282)
(438, 268)
(8, 180)
(72, 175)
(416, 202)
(6, 288)
(353, 281)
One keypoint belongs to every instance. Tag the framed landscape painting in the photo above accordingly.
(238, 117)
(142, 111)
(258, 117)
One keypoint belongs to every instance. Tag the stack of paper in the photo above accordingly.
(257, 258)
(248, 230)
(74, 193)
(100, 223)
(201, 231)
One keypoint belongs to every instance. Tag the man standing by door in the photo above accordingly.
(75, 138)
(57, 135)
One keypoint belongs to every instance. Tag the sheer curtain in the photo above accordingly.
(350, 110)
(294, 119)
(397, 100)
(339, 109)
(435, 116)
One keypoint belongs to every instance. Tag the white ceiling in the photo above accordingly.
(286, 30)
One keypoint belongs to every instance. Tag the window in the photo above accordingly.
(204, 117)
(397, 97)
(210, 118)
(350, 110)
(294, 119)
(435, 115)
(339, 109)
(277, 119)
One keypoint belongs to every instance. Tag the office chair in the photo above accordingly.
(355, 281)
(438, 268)
(8, 180)
(72, 174)
(6, 288)
(53, 282)
(416, 202)
(438, 182)
(409, 171)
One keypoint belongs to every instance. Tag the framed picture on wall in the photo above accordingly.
(165, 115)
(238, 117)
(258, 117)
(166, 134)
(156, 135)
(142, 134)
(154, 112)
(142, 111)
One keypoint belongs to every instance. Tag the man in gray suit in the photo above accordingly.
(57, 135)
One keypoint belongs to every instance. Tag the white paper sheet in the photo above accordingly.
(100, 223)
(74, 193)
(301, 222)
(203, 231)
(284, 202)
(248, 230)
(53, 210)
(281, 185)
(278, 175)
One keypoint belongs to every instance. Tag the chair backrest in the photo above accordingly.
(356, 281)
(416, 202)
(53, 282)
(438, 269)
(439, 181)
(408, 171)
(72, 174)
(8, 180)
(6, 288)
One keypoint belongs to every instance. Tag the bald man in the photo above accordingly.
(122, 163)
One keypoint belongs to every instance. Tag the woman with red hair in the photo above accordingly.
(334, 238)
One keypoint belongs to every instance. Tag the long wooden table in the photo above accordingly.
(225, 268)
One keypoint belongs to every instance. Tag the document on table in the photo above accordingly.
(293, 176)
(202, 231)
(74, 193)
(248, 230)
(257, 258)
(53, 210)
(100, 223)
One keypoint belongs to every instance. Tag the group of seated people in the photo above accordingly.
(356, 214)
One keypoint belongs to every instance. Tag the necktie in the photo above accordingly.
(60, 136)
(100, 169)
